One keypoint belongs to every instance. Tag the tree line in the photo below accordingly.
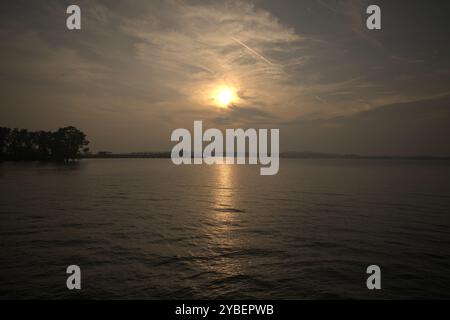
(62, 145)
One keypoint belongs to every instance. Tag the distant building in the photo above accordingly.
(104, 153)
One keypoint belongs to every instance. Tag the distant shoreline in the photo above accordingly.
(285, 155)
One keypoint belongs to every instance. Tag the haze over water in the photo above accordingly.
(144, 228)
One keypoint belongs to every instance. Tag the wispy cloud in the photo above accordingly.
(157, 64)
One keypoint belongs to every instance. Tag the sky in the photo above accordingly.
(137, 70)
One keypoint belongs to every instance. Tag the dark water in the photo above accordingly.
(147, 229)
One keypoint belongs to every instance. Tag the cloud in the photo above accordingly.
(196, 48)
(242, 116)
(412, 128)
(155, 65)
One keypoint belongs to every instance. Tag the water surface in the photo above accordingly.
(144, 228)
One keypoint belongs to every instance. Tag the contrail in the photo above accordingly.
(253, 51)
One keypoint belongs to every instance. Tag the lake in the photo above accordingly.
(144, 228)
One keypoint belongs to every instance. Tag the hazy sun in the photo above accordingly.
(225, 96)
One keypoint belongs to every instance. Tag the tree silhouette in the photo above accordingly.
(4, 142)
(65, 144)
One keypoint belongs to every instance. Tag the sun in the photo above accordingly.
(225, 96)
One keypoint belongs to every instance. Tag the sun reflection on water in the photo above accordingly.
(223, 191)
(223, 229)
